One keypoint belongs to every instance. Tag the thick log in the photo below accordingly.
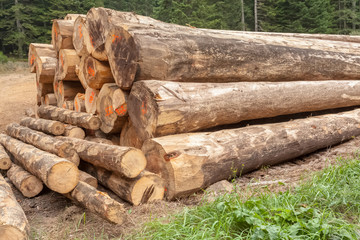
(56, 89)
(44, 88)
(96, 73)
(159, 108)
(5, 161)
(13, 221)
(39, 50)
(84, 120)
(43, 125)
(111, 107)
(126, 161)
(79, 102)
(193, 55)
(45, 69)
(80, 34)
(68, 60)
(147, 187)
(80, 74)
(43, 142)
(91, 96)
(194, 161)
(67, 91)
(58, 174)
(62, 31)
(99, 202)
(50, 99)
(129, 136)
(74, 16)
(99, 140)
(74, 132)
(70, 105)
(26, 183)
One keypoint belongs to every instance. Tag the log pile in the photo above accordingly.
(150, 108)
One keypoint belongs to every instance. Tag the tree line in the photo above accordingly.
(26, 21)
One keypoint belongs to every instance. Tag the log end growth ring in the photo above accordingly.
(63, 177)
(31, 187)
(133, 163)
(11, 233)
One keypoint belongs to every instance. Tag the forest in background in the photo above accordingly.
(26, 21)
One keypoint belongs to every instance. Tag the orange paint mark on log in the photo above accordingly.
(32, 59)
(62, 60)
(64, 105)
(80, 31)
(56, 33)
(122, 110)
(91, 71)
(91, 41)
(143, 108)
(91, 98)
(109, 110)
(76, 106)
(115, 38)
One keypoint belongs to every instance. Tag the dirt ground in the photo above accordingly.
(52, 216)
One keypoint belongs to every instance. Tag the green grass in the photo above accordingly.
(325, 207)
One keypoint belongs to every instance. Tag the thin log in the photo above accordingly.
(147, 187)
(43, 125)
(126, 161)
(68, 59)
(5, 161)
(26, 183)
(91, 96)
(191, 162)
(84, 120)
(74, 132)
(50, 99)
(111, 107)
(80, 34)
(79, 102)
(62, 31)
(13, 221)
(43, 142)
(58, 174)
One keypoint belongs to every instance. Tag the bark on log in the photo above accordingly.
(29, 185)
(50, 99)
(5, 161)
(126, 161)
(13, 221)
(159, 108)
(67, 91)
(193, 55)
(80, 34)
(43, 142)
(58, 174)
(74, 16)
(99, 202)
(111, 107)
(45, 69)
(96, 73)
(84, 120)
(193, 161)
(91, 96)
(129, 136)
(99, 140)
(30, 112)
(74, 132)
(62, 31)
(79, 102)
(87, 178)
(43, 125)
(147, 187)
(69, 105)
(68, 59)
(37, 50)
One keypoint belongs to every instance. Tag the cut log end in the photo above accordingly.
(5, 163)
(94, 123)
(58, 182)
(57, 128)
(149, 188)
(31, 187)
(11, 233)
(133, 163)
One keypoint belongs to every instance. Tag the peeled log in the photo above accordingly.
(5, 161)
(127, 161)
(79, 35)
(159, 108)
(45, 69)
(26, 183)
(99, 202)
(193, 55)
(13, 221)
(58, 174)
(91, 96)
(147, 187)
(111, 107)
(96, 73)
(39, 50)
(43, 142)
(62, 31)
(194, 161)
(84, 120)
(79, 102)
(68, 59)
(74, 132)
(43, 125)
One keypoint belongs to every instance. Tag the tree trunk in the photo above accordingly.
(29, 185)
(189, 56)
(62, 32)
(147, 187)
(256, 16)
(67, 91)
(79, 102)
(83, 120)
(74, 132)
(127, 161)
(58, 174)
(129, 136)
(43, 142)
(43, 125)
(91, 96)
(111, 107)
(194, 161)
(21, 35)
(99, 202)
(159, 108)
(68, 59)
(13, 221)
(38, 50)
(5, 162)
(80, 34)
(96, 73)
(50, 99)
